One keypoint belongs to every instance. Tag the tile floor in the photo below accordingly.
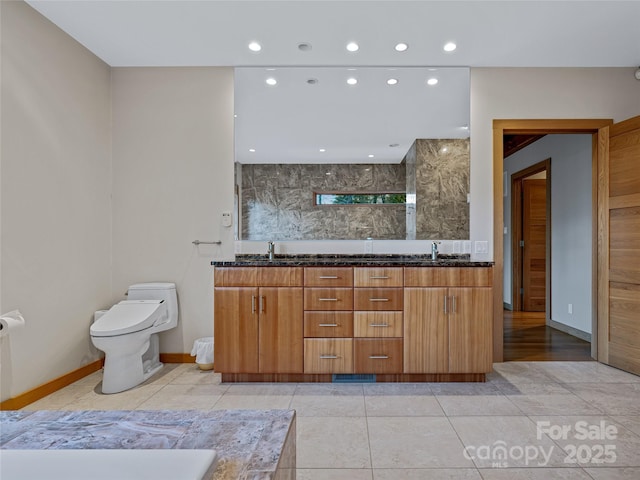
(421, 431)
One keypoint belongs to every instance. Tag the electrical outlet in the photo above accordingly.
(571, 309)
(466, 246)
(368, 246)
(482, 246)
(237, 247)
(457, 247)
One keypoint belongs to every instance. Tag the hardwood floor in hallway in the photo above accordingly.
(527, 338)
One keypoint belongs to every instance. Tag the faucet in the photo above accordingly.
(434, 250)
(271, 250)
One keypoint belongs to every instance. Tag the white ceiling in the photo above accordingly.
(295, 114)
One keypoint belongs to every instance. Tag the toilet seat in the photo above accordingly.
(130, 316)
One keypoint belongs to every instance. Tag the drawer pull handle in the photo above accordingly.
(328, 357)
(328, 325)
(379, 357)
(378, 299)
(327, 299)
(381, 277)
(328, 277)
(378, 324)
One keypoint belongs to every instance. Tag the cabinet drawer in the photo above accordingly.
(448, 276)
(328, 324)
(378, 298)
(328, 355)
(280, 276)
(235, 277)
(377, 324)
(328, 277)
(328, 298)
(378, 276)
(374, 355)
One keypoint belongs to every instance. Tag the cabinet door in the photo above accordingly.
(281, 330)
(470, 322)
(426, 341)
(235, 330)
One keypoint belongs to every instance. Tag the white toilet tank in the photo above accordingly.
(157, 291)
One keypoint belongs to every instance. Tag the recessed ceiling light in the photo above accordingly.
(322, 150)
(401, 47)
(304, 47)
(255, 47)
(449, 47)
(371, 155)
(432, 81)
(392, 81)
(353, 47)
(271, 81)
(252, 150)
(352, 81)
(393, 145)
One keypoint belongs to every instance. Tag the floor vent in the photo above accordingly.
(353, 378)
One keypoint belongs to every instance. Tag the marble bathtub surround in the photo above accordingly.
(251, 444)
(277, 200)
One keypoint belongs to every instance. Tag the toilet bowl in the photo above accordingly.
(128, 334)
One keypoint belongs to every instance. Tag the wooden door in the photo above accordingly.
(534, 235)
(426, 337)
(235, 340)
(470, 320)
(620, 346)
(280, 330)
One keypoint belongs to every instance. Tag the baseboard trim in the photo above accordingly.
(570, 330)
(177, 358)
(48, 388)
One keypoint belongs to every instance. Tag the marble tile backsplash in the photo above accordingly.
(277, 200)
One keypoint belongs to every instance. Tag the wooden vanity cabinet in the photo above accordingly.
(258, 329)
(448, 320)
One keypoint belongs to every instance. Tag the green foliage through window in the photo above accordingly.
(360, 198)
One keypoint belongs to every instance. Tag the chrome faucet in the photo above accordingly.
(271, 250)
(434, 250)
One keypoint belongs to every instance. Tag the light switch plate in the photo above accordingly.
(226, 219)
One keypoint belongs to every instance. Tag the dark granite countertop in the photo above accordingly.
(364, 260)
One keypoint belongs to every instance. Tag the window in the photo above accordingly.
(334, 198)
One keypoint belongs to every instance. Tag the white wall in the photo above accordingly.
(529, 93)
(55, 197)
(173, 178)
(571, 224)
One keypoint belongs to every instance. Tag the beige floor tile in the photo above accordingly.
(614, 473)
(520, 372)
(334, 474)
(261, 388)
(330, 389)
(533, 389)
(332, 442)
(477, 405)
(553, 405)
(610, 398)
(328, 406)
(397, 389)
(414, 442)
(630, 422)
(402, 406)
(190, 374)
(91, 379)
(253, 402)
(426, 473)
(60, 399)
(128, 400)
(486, 437)
(183, 397)
(590, 452)
(586, 372)
(454, 388)
(534, 474)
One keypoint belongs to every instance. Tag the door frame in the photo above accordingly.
(516, 234)
(599, 152)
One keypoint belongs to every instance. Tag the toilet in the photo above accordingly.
(128, 334)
